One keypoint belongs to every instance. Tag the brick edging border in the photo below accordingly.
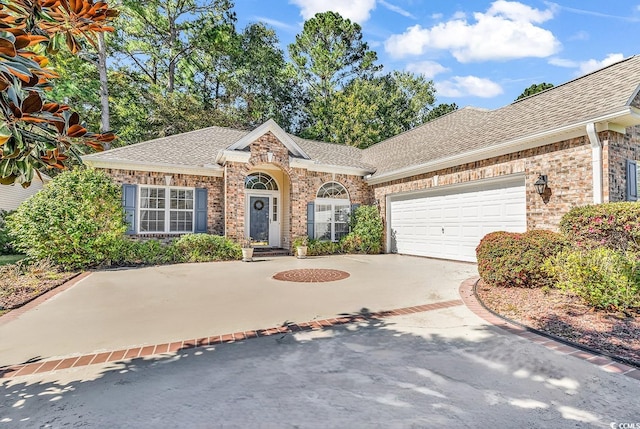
(19, 311)
(467, 293)
(174, 347)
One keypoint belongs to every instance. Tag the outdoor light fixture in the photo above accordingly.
(541, 184)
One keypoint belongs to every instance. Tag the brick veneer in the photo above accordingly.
(566, 163)
(214, 185)
(303, 186)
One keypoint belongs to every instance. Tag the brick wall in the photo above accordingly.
(620, 148)
(302, 186)
(214, 185)
(567, 165)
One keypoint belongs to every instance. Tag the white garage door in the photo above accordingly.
(450, 223)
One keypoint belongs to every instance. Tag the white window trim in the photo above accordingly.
(330, 202)
(167, 209)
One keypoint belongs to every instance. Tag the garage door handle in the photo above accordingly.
(443, 230)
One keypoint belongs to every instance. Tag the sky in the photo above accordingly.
(478, 53)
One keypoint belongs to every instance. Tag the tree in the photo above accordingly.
(534, 89)
(36, 134)
(440, 110)
(162, 38)
(327, 56)
(370, 110)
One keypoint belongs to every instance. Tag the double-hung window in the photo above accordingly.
(166, 209)
(332, 210)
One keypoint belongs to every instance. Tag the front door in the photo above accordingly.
(264, 219)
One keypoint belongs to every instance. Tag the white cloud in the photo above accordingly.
(593, 65)
(277, 24)
(584, 67)
(355, 10)
(396, 9)
(428, 68)
(580, 35)
(563, 62)
(464, 86)
(437, 16)
(505, 31)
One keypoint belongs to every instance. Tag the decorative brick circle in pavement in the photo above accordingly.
(311, 275)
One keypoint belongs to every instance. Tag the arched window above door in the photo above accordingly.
(260, 181)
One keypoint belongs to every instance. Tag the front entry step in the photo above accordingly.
(270, 251)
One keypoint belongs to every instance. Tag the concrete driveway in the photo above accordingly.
(112, 310)
(444, 367)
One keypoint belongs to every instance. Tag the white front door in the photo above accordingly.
(263, 218)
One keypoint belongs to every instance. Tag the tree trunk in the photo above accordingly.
(104, 86)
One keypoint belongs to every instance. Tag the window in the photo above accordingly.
(332, 209)
(168, 210)
(261, 181)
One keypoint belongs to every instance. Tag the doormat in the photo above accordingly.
(311, 275)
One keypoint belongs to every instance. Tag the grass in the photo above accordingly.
(10, 259)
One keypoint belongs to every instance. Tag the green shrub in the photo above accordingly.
(366, 233)
(138, 252)
(507, 259)
(322, 247)
(205, 248)
(603, 277)
(613, 225)
(6, 246)
(76, 220)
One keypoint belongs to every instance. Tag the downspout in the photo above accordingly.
(596, 161)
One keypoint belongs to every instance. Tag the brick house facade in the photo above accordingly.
(444, 183)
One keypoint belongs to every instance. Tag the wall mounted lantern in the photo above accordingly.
(541, 184)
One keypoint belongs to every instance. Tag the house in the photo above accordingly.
(440, 187)
(13, 195)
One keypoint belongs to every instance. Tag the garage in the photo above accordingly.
(449, 223)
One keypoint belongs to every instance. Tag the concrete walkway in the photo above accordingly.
(114, 310)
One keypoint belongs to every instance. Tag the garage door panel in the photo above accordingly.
(450, 223)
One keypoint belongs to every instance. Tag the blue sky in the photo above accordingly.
(478, 53)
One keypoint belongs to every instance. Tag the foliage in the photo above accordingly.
(300, 241)
(206, 248)
(370, 110)
(613, 225)
(36, 134)
(322, 247)
(76, 220)
(367, 231)
(327, 55)
(139, 252)
(534, 89)
(508, 259)
(604, 278)
(6, 246)
(441, 110)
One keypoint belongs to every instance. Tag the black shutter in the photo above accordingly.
(201, 211)
(129, 199)
(311, 213)
(632, 180)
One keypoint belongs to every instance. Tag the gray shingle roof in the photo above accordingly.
(333, 154)
(586, 98)
(195, 148)
(582, 99)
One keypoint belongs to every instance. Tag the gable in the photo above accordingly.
(277, 131)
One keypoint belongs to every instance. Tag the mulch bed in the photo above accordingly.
(565, 316)
(15, 291)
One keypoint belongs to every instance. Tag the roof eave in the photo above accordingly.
(212, 170)
(328, 168)
(626, 116)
